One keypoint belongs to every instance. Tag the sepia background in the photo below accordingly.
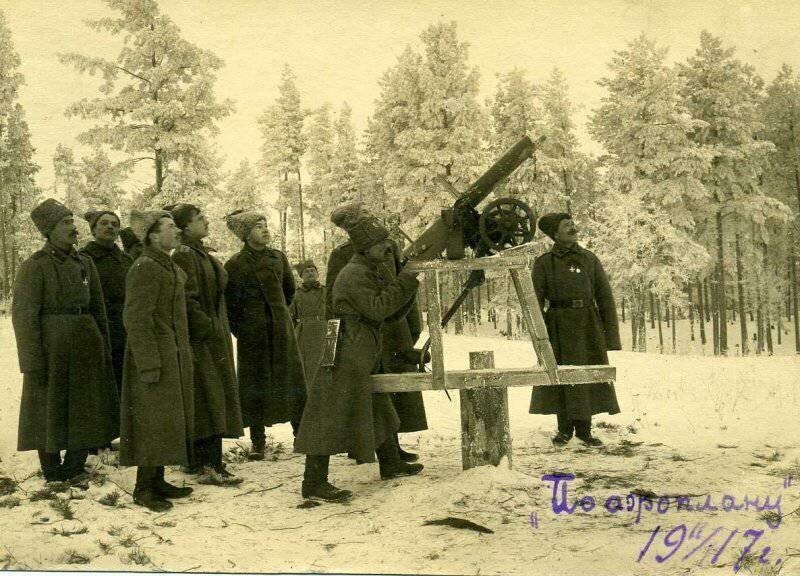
(671, 136)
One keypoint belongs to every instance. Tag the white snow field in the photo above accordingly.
(716, 429)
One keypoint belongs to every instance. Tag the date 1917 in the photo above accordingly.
(717, 540)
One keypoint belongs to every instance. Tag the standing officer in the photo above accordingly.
(69, 397)
(260, 288)
(308, 314)
(343, 414)
(398, 335)
(112, 267)
(157, 386)
(217, 414)
(582, 325)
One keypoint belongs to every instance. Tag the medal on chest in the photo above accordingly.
(574, 269)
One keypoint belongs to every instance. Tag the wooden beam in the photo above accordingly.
(460, 379)
(487, 263)
(534, 322)
(434, 308)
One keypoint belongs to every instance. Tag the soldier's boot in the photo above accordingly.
(51, 466)
(163, 488)
(145, 493)
(405, 456)
(390, 463)
(315, 481)
(259, 440)
(73, 469)
(583, 432)
(215, 451)
(565, 429)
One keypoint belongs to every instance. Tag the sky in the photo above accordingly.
(339, 50)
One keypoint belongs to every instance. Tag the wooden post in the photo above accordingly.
(534, 322)
(485, 430)
(435, 327)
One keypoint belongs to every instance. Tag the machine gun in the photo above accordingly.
(504, 223)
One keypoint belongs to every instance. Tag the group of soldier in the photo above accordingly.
(136, 344)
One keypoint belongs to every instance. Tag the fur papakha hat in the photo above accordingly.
(364, 228)
(549, 222)
(143, 222)
(242, 222)
(47, 214)
(92, 216)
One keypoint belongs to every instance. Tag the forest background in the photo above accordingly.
(684, 177)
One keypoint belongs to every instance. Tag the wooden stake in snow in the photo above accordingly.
(485, 431)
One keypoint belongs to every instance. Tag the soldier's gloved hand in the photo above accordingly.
(150, 376)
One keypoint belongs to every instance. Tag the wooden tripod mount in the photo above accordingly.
(485, 437)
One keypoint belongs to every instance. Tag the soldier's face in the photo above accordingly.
(380, 251)
(259, 235)
(168, 234)
(197, 226)
(309, 274)
(106, 228)
(65, 233)
(567, 232)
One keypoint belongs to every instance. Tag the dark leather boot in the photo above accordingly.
(404, 456)
(163, 488)
(145, 493)
(325, 491)
(391, 466)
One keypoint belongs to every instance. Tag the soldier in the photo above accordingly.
(112, 266)
(581, 321)
(342, 414)
(260, 288)
(130, 243)
(217, 414)
(157, 386)
(69, 398)
(308, 314)
(398, 337)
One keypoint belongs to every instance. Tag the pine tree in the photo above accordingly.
(427, 123)
(283, 145)
(780, 114)
(158, 101)
(103, 179)
(653, 164)
(724, 93)
(18, 192)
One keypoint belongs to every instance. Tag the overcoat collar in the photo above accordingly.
(97, 250)
(60, 254)
(159, 256)
(196, 245)
(561, 250)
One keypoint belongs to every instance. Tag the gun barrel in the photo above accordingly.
(509, 162)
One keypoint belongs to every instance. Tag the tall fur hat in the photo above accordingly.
(47, 214)
(143, 222)
(242, 222)
(549, 222)
(92, 216)
(364, 228)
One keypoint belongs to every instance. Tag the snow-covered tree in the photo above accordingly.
(18, 192)
(427, 123)
(724, 93)
(157, 103)
(283, 145)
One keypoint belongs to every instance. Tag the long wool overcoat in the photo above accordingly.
(342, 414)
(216, 392)
(112, 267)
(308, 313)
(579, 335)
(272, 385)
(69, 396)
(399, 335)
(157, 417)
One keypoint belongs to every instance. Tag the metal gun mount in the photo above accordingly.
(504, 223)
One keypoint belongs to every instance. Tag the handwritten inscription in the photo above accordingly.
(640, 504)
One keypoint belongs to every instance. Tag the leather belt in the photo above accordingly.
(361, 320)
(568, 304)
(73, 311)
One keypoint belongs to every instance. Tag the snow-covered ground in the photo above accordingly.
(697, 426)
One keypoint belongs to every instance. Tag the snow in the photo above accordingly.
(689, 425)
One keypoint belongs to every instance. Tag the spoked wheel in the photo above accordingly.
(507, 222)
